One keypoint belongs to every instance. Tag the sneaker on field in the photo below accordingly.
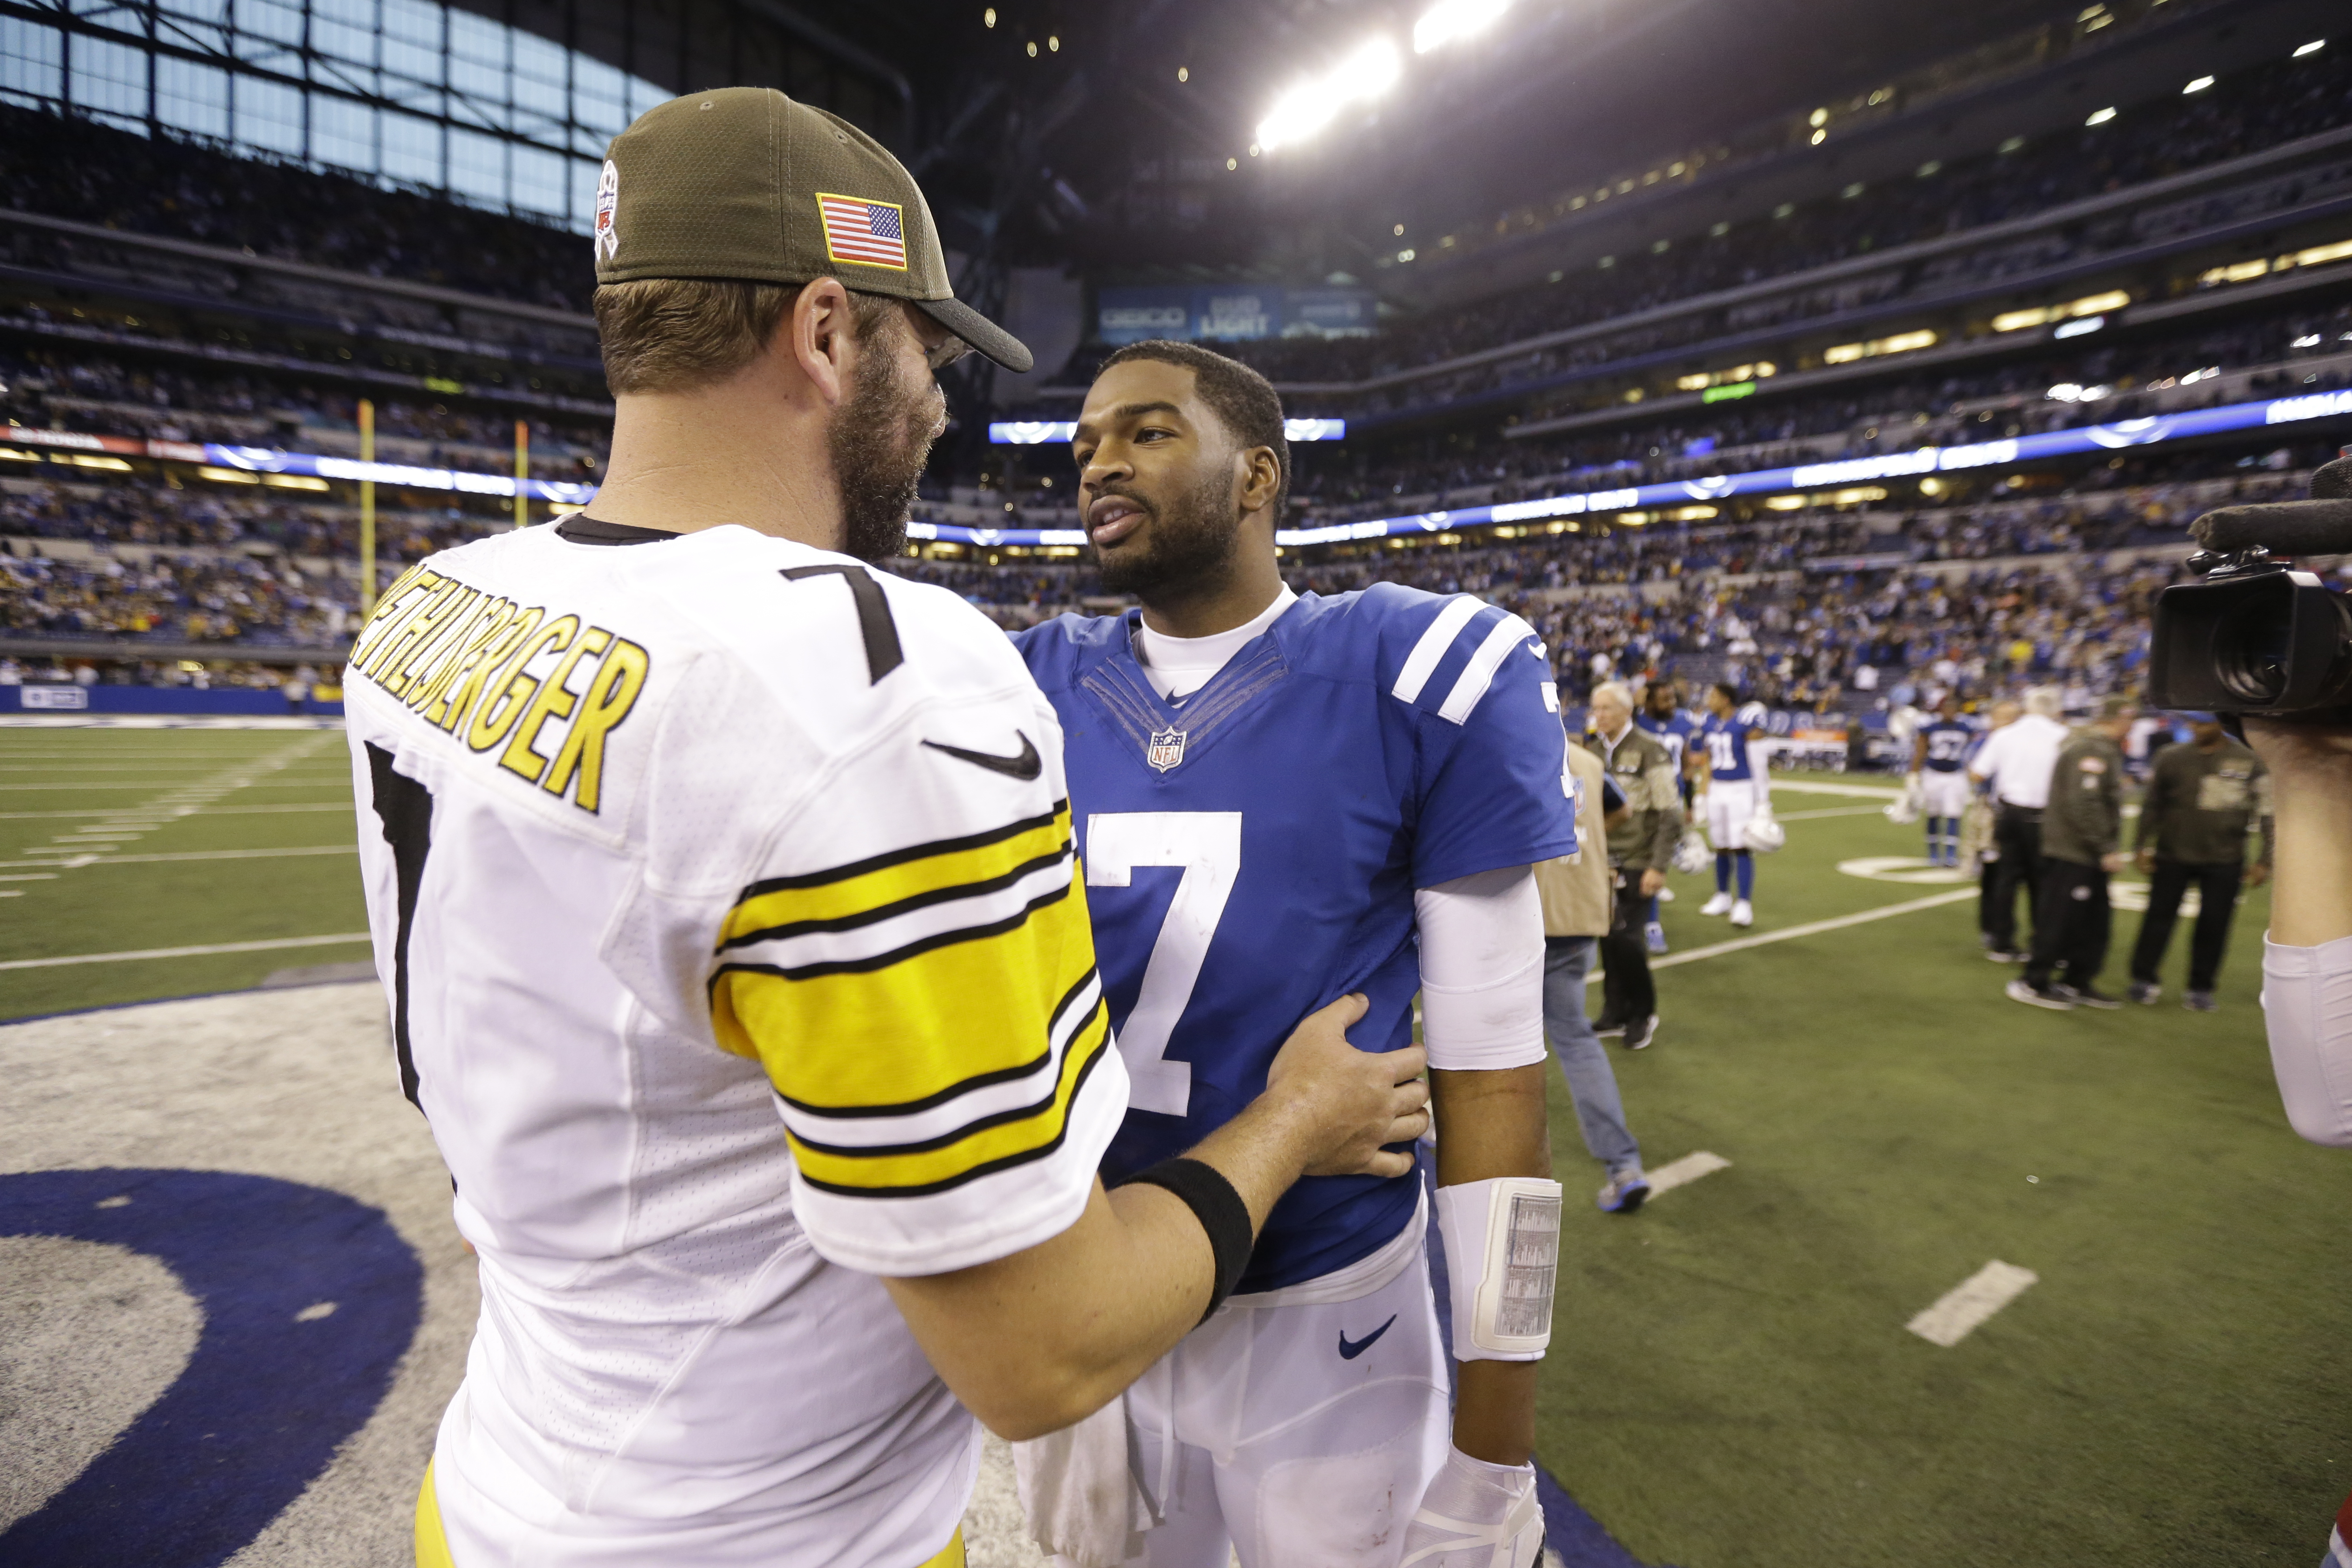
(2018, 990)
(1623, 1194)
(2087, 996)
(1718, 905)
(2199, 1001)
(2002, 954)
(1743, 914)
(1640, 1032)
(1606, 1027)
(2144, 992)
(1665, 895)
(1654, 935)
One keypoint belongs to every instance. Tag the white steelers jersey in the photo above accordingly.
(722, 894)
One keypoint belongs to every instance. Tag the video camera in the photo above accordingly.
(2259, 635)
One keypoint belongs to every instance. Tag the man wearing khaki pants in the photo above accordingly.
(1576, 899)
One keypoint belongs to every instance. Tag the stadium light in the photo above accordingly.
(1450, 20)
(1311, 105)
(2312, 47)
(2200, 85)
(2100, 117)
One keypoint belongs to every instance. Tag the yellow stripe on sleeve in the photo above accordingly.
(870, 888)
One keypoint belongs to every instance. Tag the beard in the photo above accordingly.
(1188, 544)
(879, 439)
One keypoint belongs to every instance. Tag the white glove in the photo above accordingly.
(1476, 1515)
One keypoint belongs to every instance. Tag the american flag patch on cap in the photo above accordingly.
(873, 234)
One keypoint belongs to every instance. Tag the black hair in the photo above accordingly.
(1730, 692)
(1244, 402)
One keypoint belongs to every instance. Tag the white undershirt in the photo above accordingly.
(1177, 666)
(1482, 942)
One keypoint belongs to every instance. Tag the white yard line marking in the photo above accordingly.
(1682, 1173)
(1829, 811)
(1810, 928)
(1971, 1302)
(31, 877)
(1873, 792)
(188, 951)
(77, 862)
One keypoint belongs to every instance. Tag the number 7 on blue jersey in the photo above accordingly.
(1208, 846)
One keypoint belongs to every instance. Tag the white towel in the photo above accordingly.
(1079, 1492)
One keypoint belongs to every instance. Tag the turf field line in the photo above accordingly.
(77, 862)
(1810, 928)
(1959, 1309)
(1827, 811)
(219, 947)
(1807, 786)
(175, 813)
(1682, 1173)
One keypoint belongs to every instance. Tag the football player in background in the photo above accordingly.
(1661, 716)
(1939, 773)
(1738, 792)
(1281, 799)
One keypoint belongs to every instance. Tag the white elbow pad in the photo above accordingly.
(1481, 968)
(1501, 1260)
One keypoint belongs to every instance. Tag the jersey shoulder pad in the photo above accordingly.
(1056, 649)
(1754, 715)
(1440, 653)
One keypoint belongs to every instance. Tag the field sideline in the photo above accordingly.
(1732, 1383)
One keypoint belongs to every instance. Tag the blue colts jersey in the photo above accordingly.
(1252, 853)
(1672, 732)
(1948, 740)
(1725, 740)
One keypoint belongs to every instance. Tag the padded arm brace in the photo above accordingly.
(2307, 1007)
(1481, 968)
(1502, 1259)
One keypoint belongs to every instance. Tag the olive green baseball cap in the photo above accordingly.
(743, 182)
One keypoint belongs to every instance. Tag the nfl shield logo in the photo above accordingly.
(1167, 749)
(608, 197)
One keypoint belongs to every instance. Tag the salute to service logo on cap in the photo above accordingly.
(743, 182)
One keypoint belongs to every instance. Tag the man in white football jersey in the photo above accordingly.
(722, 892)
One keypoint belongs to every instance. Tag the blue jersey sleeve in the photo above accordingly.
(1493, 788)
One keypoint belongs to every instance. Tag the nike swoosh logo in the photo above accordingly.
(1027, 765)
(1351, 1351)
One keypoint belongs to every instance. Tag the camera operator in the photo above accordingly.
(2307, 956)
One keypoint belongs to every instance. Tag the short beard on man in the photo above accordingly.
(879, 439)
(1189, 546)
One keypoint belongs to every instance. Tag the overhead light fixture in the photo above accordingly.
(987, 17)
(1032, 48)
(2100, 116)
(2200, 85)
(1053, 42)
(1451, 20)
(2312, 47)
(1183, 74)
(1308, 107)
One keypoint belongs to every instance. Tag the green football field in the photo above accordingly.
(1731, 1383)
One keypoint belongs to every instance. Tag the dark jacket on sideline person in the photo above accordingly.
(2200, 804)
(1644, 838)
(2084, 818)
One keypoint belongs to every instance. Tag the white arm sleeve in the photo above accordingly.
(1482, 965)
(2307, 1005)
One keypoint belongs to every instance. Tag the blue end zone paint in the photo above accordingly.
(1575, 1535)
(264, 1401)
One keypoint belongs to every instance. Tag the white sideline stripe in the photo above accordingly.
(1806, 786)
(1434, 646)
(1479, 673)
(173, 813)
(1960, 1309)
(1810, 928)
(189, 952)
(78, 861)
(1682, 1173)
(1827, 811)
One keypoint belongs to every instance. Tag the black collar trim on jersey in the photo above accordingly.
(581, 528)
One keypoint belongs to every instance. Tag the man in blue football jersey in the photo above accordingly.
(1737, 792)
(1282, 799)
(1939, 756)
(1662, 715)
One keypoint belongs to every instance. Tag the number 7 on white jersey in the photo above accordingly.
(1208, 846)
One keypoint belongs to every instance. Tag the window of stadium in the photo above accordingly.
(404, 92)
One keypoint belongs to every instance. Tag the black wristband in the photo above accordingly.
(1220, 1210)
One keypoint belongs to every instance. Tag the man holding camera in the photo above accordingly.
(2202, 799)
(2082, 839)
